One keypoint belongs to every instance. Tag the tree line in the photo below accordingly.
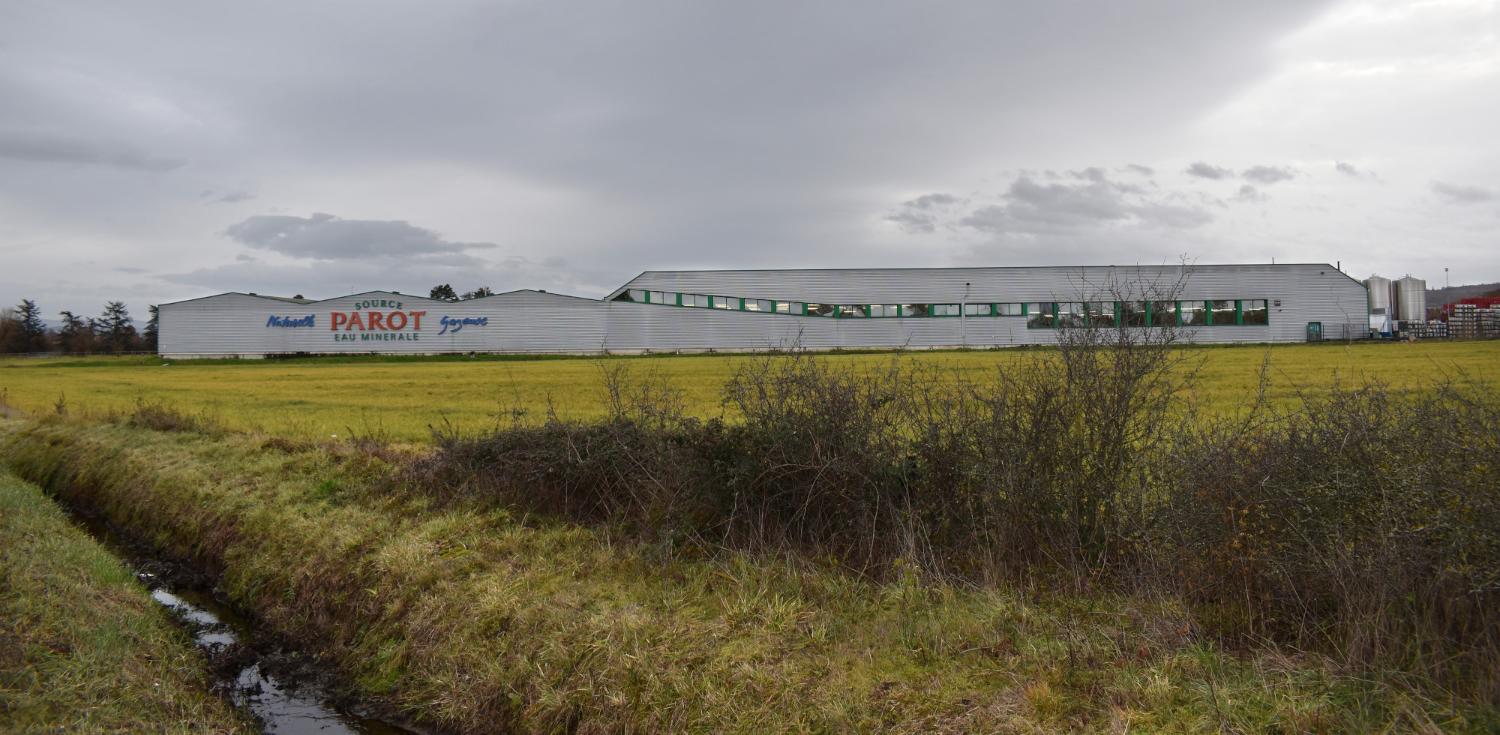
(23, 331)
(445, 292)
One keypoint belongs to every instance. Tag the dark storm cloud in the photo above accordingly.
(57, 149)
(326, 237)
(1206, 171)
(1084, 201)
(1267, 175)
(1463, 194)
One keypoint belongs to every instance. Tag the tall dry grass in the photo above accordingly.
(1365, 522)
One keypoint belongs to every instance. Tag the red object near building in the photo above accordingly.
(1482, 302)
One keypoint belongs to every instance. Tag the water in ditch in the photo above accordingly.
(282, 703)
(285, 694)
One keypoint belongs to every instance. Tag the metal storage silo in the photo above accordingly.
(1380, 295)
(1411, 299)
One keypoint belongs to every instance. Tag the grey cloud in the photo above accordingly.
(1250, 195)
(326, 237)
(55, 149)
(1345, 167)
(920, 215)
(234, 196)
(928, 201)
(1267, 175)
(1139, 169)
(1462, 194)
(415, 277)
(1089, 201)
(913, 222)
(1206, 171)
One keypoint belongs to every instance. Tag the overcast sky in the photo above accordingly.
(160, 151)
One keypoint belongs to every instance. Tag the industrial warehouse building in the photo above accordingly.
(748, 310)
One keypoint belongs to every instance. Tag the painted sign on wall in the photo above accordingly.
(454, 324)
(376, 320)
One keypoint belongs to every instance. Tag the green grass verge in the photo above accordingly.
(401, 397)
(476, 620)
(83, 649)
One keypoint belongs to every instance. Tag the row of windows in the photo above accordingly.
(1209, 313)
(1039, 315)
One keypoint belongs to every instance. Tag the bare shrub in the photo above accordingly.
(1364, 522)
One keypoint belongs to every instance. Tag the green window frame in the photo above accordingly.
(1041, 315)
(1222, 312)
(1192, 313)
(1103, 312)
(1257, 314)
(1155, 311)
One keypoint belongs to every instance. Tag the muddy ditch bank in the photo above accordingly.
(283, 690)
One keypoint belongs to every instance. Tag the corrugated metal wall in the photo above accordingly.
(536, 322)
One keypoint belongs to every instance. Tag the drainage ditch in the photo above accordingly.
(286, 693)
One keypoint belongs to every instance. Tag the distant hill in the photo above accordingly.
(1440, 296)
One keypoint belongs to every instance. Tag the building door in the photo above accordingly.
(1315, 331)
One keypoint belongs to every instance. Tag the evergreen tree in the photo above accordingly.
(10, 331)
(32, 332)
(153, 326)
(115, 328)
(478, 292)
(76, 335)
(443, 292)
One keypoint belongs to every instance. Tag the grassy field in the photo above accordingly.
(399, 398)
(82, 647)
(475, 619)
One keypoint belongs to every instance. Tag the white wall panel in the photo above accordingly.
(535, 322)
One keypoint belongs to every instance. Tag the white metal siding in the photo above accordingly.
(535, 322)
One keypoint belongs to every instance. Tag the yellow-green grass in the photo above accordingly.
(401, 398)
(479, 621)
(82, 647)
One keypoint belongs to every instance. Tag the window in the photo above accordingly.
(635, 295)
(1040, 315)
(851, 311)
(1133, 313)
(881, 310)
(1101, 313)
(915, 310)
(1221, 312)
(1008, 310)
(661, 297)
(977, 310)
(693, 299)
(944, 310)
(789, 307)
(757, 305)
(1194, 313)
(1070, 314)
(820, 310)
(1253, 311)
(1164, 313)
(725, 302)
